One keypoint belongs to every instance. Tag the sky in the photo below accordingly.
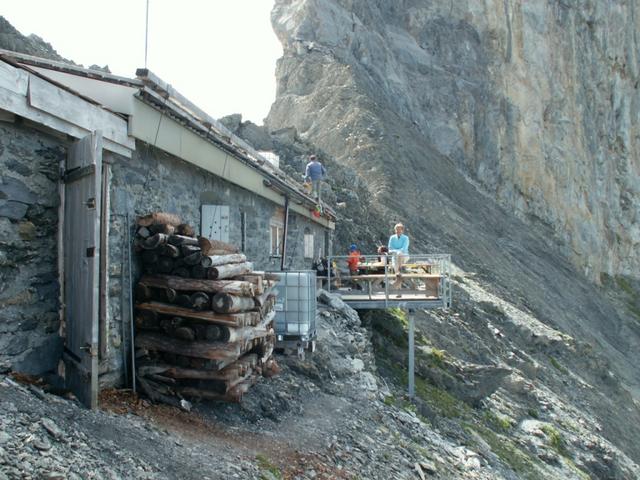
(220, 54)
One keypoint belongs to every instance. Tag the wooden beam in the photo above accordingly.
(231, 320)
(190, 284)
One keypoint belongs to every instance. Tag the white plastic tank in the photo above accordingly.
(296, 305)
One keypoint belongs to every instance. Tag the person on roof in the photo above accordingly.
(314, 173)
(398, 248)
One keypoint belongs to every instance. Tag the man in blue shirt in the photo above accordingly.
(315, 172)
(399, 248)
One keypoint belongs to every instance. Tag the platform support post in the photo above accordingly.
(411, 355)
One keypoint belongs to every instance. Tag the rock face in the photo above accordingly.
(11, 39)
(535, 102)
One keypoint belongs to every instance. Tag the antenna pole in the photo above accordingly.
(146, 35)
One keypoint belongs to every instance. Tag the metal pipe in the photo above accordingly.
(284, 233)
(122, 320)
(132, 334)
(411, 355)
(146, 35)
(386, 281)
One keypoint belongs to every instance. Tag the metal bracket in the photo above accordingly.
(79, 172)
(92, 350)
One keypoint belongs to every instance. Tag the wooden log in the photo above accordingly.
(187, 250)
(143, 292)
(158, 218)
(239, 368)
(193, 259)
(265, 275)
(261, 300)
(151, 391)
(184, 300)
(222, 354)
(185, 229)
(256, 280)
(162, 228)
(215, 260)
(180, 272)
(147, 319)
(143, 232)
(200, 301)
(155, 241)
(212, 333)
(215, 247)
(149, 269)
(232, 320)
(234, 395)
(228, 271)
(198, 271)
(169, 325)
(170, 294)
(247, 333)
(268, 307)
(235, 287)
(169, 251)
(149, 257)
(227, 303)
(164, 265)
(160, 379)
(182, 240)
(185, 333)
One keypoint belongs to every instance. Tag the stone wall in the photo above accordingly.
(29, 288)
(155, 181)
(152, 180)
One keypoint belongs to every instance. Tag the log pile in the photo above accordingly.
(204, 318)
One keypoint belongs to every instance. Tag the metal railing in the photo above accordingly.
(423, 278)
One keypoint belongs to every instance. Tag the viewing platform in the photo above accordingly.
(371, 282)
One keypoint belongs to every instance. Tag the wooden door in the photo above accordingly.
(82, 192)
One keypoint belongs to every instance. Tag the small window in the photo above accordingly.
(276, 240)
(308, 244)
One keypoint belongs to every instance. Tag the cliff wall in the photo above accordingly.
(536, 103)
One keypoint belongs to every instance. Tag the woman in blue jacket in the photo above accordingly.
(399, 248)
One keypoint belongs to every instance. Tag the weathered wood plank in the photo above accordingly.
(62, 104)
(81, 269)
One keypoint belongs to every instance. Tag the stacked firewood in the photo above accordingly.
(204, 318)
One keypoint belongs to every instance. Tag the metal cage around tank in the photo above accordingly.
(296, 307)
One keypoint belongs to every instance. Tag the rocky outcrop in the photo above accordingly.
(12, 39)
(496, 131)
(536, 102)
